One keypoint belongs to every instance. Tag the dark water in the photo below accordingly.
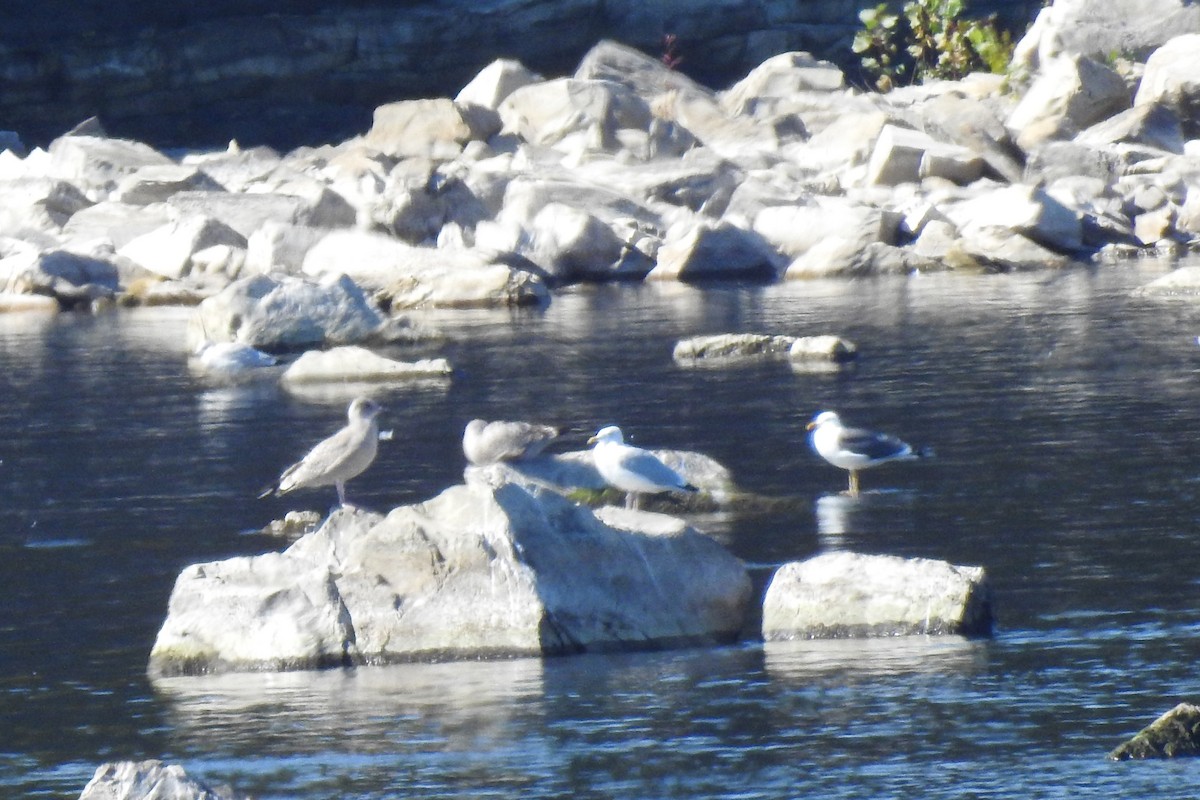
(1064, 418)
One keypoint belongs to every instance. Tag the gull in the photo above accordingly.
(855, 449)
(489, 442)
(339, 458)
(231, 357)
(631, 469)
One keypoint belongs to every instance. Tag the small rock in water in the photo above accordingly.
(1175, 733)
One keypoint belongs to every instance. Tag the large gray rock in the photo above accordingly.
(149, 780)
(495, 82)
(843, 594)
(436, 128)
(902, 155)
(97, 165)
(73, 279)
(408, 276)
(479, 570)
(698, 249)
(1069, 94)
(171, 250)
(42, 205)
(1100, 28)
(1176, 733)
(1172, 78)
(547, 113)
(286, 313)
(729, 348)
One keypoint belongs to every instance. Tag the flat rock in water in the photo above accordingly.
(1175, 733)
(733, 347)
(842, 594)
(358, 364)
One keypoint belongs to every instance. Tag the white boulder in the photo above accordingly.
(477, 571)
(359, 365)
(843, 594)
(286, 313)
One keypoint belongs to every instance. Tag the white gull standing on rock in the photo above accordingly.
(854, 449)
(501, 440)
(631, 469)
(339, 458)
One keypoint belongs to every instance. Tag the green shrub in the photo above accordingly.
(928, 41)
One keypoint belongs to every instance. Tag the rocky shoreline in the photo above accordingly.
(628, 170)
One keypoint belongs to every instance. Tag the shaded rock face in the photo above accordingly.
(1175, 733)
(476, 571)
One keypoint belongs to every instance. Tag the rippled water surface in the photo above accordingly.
(1064, 417)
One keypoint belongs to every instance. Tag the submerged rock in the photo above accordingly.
(1175, 733)
(842, 594)
(729, 348)
(479, 570)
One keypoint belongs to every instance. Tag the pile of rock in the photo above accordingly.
(628, 170)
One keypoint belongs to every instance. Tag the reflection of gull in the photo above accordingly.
(631, 469)
(489, 442)
(229, 357)
(339, 458)
(854, 449)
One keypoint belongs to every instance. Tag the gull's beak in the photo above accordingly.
(592, 440)
(810, 426)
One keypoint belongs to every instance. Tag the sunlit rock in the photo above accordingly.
(549, 112)
(795, 228)
(495, 82)
(170, 250)
(73, 279)
(843, 594)
(838, 257)
(1069, 94)
(286, 313)
(38, 205)
(407, 276)
(435, 128)
(1023, 209)
(1152, 124)
(97, 164)
(15, 302)
(358, 364)
(1176, 733)
(781, 77)
(479, 570)
(902, 155)
(696, 249)
(737, 347)
(1172, 79)
(155, 183)
(268, 612)
(149, 780)
(1184, 281)
(117, 223)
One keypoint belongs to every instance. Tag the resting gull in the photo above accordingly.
(501, 440)
(631, 469)
(339, 458)
(856, 449)
(230, 357)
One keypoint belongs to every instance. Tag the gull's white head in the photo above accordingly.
(363, 409)
(608, 434)
(824, 418)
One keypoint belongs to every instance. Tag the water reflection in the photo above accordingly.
(364, 709)
(854, 660)
(846, 522)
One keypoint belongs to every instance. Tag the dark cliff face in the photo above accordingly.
(293, 72)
